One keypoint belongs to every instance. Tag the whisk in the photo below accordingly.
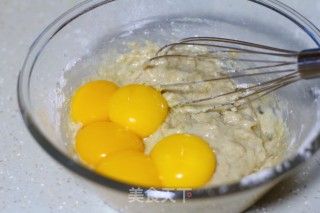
(255, 59)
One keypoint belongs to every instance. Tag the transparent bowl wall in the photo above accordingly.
(45, 81)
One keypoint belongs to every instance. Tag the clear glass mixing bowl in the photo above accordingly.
(87, 30)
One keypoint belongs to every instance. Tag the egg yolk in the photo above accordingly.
(97, 140)
(131, 167)
(183, 160)
(138, 107)
(90, 102)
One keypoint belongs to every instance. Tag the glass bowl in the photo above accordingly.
(83, 33)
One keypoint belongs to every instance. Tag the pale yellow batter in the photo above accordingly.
(244, 140)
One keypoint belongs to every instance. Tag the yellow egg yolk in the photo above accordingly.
(138, 107)
(97, 140)
(131, 167)
(183, 160)
(90, 102)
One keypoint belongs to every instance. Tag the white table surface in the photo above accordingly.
(31, 181)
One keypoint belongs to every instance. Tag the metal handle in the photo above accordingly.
(309, 63)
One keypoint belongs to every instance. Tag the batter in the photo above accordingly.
(244, 140)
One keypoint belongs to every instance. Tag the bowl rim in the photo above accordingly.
(246, 183)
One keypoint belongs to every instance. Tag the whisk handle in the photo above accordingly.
(309, 63)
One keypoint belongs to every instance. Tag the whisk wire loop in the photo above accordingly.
(256, 60)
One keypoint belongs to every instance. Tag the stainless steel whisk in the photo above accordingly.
(255, 60)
